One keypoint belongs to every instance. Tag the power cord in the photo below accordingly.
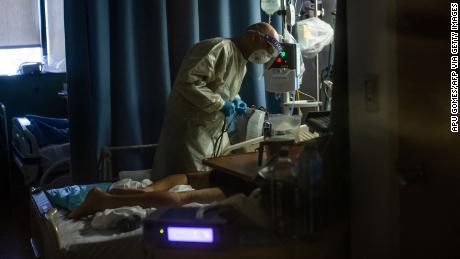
(218, 143)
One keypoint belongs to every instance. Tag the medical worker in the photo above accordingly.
(205, 92)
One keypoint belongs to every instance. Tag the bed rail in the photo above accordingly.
(25, 149)
(23, 141)
(251, 145)
(5, 146)
(44, 239)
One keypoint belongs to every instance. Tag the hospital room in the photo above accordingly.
(229, 129)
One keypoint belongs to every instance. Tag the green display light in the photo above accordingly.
(282, 54)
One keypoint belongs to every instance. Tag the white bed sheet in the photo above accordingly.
(76, 240)
(75, 232)
(80, 240)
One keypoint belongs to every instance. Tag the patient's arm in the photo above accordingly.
(96, 200)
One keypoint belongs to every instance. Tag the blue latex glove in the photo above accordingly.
(240, 106)
(228, 109)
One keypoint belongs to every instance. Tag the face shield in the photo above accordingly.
(277, 48)
(274, 43)
(263, 56)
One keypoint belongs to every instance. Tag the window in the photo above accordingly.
(32, 31)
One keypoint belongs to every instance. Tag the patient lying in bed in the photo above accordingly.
(155, 195)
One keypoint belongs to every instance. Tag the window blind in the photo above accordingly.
(19, 23)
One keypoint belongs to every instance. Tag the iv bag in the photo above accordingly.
(314, 34)
(270, 6)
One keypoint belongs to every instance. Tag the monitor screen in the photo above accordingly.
(286, 58)
(191, 234)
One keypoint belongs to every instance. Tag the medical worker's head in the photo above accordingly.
(259, 43)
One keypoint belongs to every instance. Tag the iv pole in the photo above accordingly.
(317, 67)
(286, 97)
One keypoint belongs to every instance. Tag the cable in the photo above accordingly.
(292, 97)
(298, 98)
(218, 144)
(326, 91)
(313, 98)
(220, 139)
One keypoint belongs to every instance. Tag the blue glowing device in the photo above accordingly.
(180, 227)
(190, 234)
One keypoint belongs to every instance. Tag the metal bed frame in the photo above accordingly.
(5, 145)
(45, 241)
(26, 155)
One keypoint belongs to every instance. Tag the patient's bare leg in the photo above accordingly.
(96, 200)
(167, 183)
(125, 191)
(163, 184)
(197, 180)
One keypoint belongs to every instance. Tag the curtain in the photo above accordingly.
(122, 57)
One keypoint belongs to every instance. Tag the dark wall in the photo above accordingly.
(33, 94)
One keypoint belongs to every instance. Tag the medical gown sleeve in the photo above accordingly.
(199, 83)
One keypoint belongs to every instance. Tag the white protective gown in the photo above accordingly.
(211, 72)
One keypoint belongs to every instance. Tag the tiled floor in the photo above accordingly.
(14, 227)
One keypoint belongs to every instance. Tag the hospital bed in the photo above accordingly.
(39, 165)
(54, 236)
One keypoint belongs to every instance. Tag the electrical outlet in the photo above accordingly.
(371, 93)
